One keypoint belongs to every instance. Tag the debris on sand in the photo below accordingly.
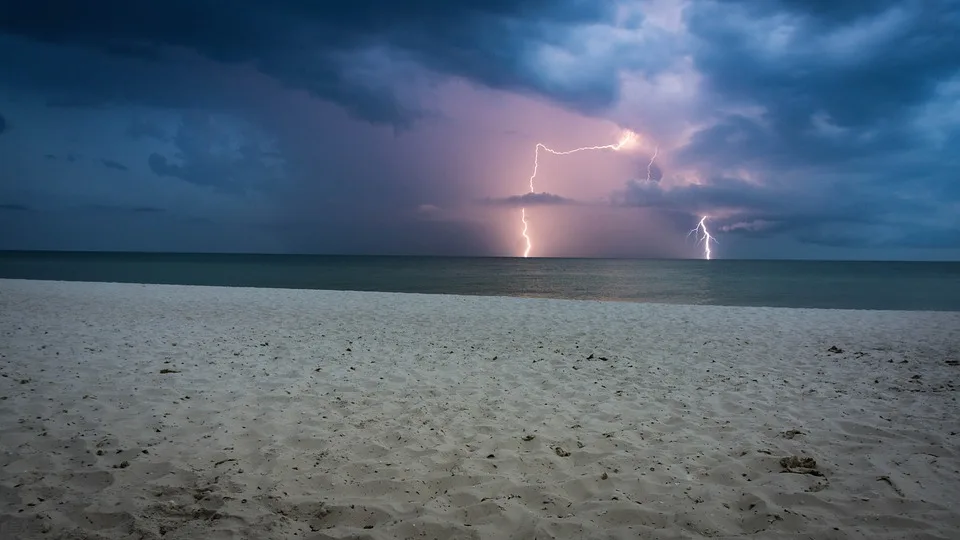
(800, 465)
(834, 350)
(165, 371)
(791, 433)
(887, 479)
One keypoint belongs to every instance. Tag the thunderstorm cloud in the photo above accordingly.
(800, 128)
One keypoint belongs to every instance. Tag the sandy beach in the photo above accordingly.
(149, 411)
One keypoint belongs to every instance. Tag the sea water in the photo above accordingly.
(807, 284)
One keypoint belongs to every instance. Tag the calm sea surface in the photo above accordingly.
(852, 285)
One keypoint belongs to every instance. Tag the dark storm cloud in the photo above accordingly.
(202, 172)
(738, 140)
(862, 79)
(931, 237)
(719, 194)
(139, 129)
(531, 199)
(72, 158)
(825, 11)
(302, 42)
(161, 167)
(837, 111)
(233, 167)
(831, 95)
(14, 207)
(111, 164)
(829, 215)
(121, 209)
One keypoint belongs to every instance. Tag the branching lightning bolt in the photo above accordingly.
(628, 139)
(703, 235)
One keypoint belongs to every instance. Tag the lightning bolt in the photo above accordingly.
(523, 217)
(628, 139)
(703, 235)
(656, 151)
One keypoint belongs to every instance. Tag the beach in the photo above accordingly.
(180, 412)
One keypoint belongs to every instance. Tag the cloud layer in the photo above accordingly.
(343, 52)
(290, 125)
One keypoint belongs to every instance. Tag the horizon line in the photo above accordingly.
(41, 252)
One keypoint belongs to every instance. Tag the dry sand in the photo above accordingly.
(145, 411)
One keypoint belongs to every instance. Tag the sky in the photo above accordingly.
(825, 129)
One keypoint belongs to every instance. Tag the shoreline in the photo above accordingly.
(478, 295)
(178, 411)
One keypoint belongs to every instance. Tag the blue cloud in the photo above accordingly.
(111, 164)
(303, 44)
(532, 199)
(14, 207)
(226, 158)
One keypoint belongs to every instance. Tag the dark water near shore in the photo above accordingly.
(820, 284)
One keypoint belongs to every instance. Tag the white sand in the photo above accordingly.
(317, 414)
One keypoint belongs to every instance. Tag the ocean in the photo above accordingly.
(798, 284)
